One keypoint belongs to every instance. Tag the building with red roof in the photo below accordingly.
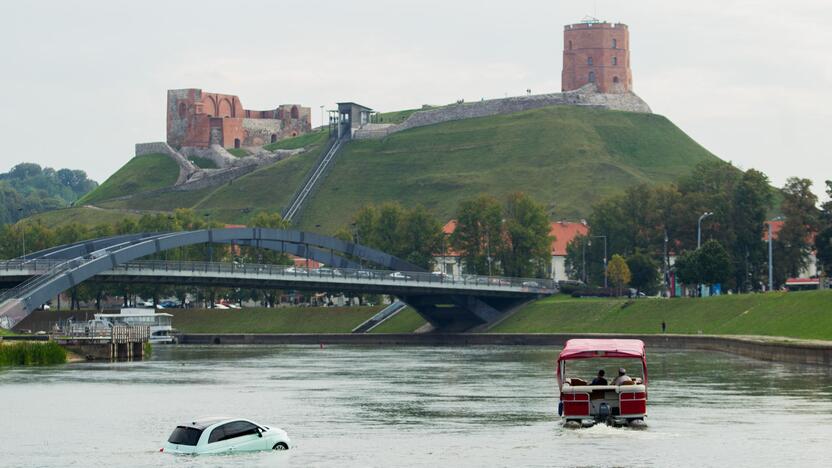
(563, 232)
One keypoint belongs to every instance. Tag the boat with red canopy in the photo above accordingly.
(622, 402)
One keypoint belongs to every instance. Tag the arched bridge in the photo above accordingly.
(448, 303)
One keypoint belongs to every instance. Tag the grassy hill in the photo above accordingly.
(140, 174)
(566, 157)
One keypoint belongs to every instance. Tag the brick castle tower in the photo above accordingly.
(597, 52)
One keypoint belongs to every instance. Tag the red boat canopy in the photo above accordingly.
(599, 348)
(588, 348)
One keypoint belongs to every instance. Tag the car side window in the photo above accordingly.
(232, 430)
(217, 434)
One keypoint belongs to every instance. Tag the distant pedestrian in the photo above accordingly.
(664, 326)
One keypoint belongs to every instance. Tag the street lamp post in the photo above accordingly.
(771, 254)
(699, 228)
(322, 117)
(666, 262)
(605, 258)
(699, 238)
(583, 261)
(23, 234)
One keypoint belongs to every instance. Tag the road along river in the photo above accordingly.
(410, 406)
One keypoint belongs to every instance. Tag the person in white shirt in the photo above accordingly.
(622, 378)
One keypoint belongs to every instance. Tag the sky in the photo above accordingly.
(83, 81)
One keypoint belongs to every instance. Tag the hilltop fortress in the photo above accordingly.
(204, 129)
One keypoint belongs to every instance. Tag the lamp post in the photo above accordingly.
(699, 238)
(322, 117)
(605, 258)
(699, 228)
(23, 234)
(771, 254)
(666, 282)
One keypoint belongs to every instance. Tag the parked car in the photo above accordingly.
(399, 275)
(225, 435)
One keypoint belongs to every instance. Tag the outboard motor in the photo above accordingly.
(603, 411)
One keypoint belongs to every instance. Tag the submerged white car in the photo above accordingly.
(225, 435)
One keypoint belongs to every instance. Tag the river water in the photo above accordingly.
(409, 406)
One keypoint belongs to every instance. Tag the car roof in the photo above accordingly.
(202, 423)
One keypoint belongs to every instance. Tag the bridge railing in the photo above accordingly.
(541, 285)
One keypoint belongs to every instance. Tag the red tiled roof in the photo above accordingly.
(564, 232)
(776, 226)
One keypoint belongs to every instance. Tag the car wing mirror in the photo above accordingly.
(259, 432)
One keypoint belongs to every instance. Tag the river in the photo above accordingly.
(410, 406)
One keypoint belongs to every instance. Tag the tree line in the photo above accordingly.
(28, 189)
(649, 223)
(508, 238)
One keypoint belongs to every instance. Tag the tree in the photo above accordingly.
(802, 221)
(527, 249)
(479, 233)
(644, 272)
(618, 272)
(687, 267)
(714, 263)
(751, 201)
(823, 241)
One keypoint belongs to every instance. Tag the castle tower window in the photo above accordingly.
(236, 142)
(570, 45)
(615, 60)
(592, 77)
(274, 137)
(589, 60)
(183, 110)
(294, 113)
(615, 79)
(615, 43)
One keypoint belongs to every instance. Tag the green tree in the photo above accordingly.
(419, 237)
(687, 268)
(478, 236)
(823, 241)
(526, 252)
(802, 221)
(714, 263)
(644, 272)
(618, 272)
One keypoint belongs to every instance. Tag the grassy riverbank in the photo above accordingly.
(279, 320)
(27, 353)
(806, 315)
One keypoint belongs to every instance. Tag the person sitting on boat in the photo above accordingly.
(623, 378)
(599, 380)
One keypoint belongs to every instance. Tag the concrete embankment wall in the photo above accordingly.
(763, 348)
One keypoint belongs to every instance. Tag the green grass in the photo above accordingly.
(806, 315)
(566, 157)
(395, 117)
(28, 353)
(83, 215)
(238, 152)
(406, 321)
(140, 174)
(203, 163)
(279, 320)
(314, 138)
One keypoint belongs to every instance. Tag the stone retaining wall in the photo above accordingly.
(586, 97)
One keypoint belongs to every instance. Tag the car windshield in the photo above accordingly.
(185, 436)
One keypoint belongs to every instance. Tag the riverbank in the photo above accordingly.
(808, 352)
(804, 315)
(29, 353)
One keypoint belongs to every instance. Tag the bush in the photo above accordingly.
(26, 353)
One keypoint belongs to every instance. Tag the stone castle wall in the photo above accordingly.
(586, 96)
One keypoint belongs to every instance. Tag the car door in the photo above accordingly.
(217, 441)
(243, 436)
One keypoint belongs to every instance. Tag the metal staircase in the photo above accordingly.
(316, 175)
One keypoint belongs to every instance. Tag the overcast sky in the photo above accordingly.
(83, 81)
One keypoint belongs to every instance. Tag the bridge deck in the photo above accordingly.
(282, 276)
